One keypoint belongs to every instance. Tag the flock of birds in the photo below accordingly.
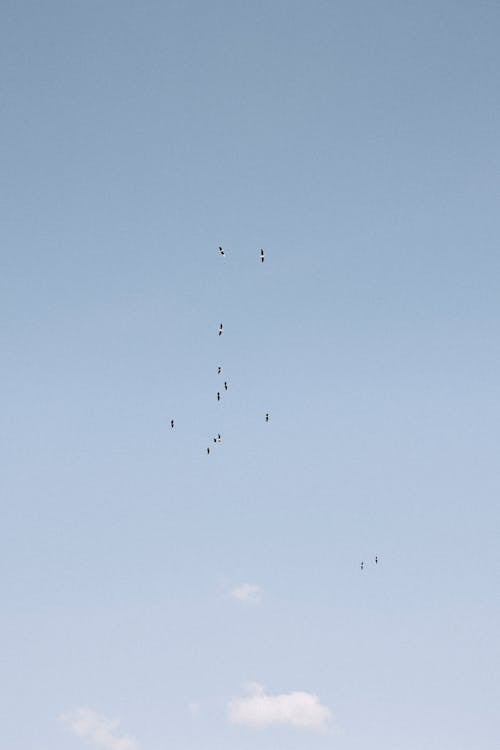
(362, 566)
(218, 439)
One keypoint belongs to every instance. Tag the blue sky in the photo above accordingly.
(357, 142)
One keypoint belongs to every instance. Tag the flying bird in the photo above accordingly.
(219, 370)
(362, 565)
(226, 385)
(267, 417)
(208, 451)
(221, 328)
(172, 423)
(376, 560)
(218, 396)
(221, 251)
(262, 256)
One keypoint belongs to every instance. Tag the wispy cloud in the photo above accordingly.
(249, 593)
(99, 730)
(298, 709)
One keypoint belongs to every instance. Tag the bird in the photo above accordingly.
(376, 560)
(218, 396)
(221, 251)
(362, 565)
(267, 417)
(219, 370)
(172, 423)
(221, 328)
(225, 385)
(219, 439)
(208, 451)
(262, 256)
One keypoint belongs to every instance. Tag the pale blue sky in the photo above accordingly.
(357, 142)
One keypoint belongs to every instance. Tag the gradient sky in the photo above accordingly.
(357, 142)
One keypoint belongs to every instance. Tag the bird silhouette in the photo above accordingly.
(262, 256)
(219, 370)
(221, 328)
(218, 396)
(172, 423)
(267, 417)
(362, 565)
(221, 251)
(208, 451)
(225, 385)
(376, 560)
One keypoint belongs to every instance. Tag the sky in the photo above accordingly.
(154, 596)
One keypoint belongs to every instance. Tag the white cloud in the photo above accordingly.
(247, 592)
(99, 730)
(298, 709)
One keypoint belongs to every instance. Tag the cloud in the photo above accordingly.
(247, 592)
(99, 730)
(298, 709)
